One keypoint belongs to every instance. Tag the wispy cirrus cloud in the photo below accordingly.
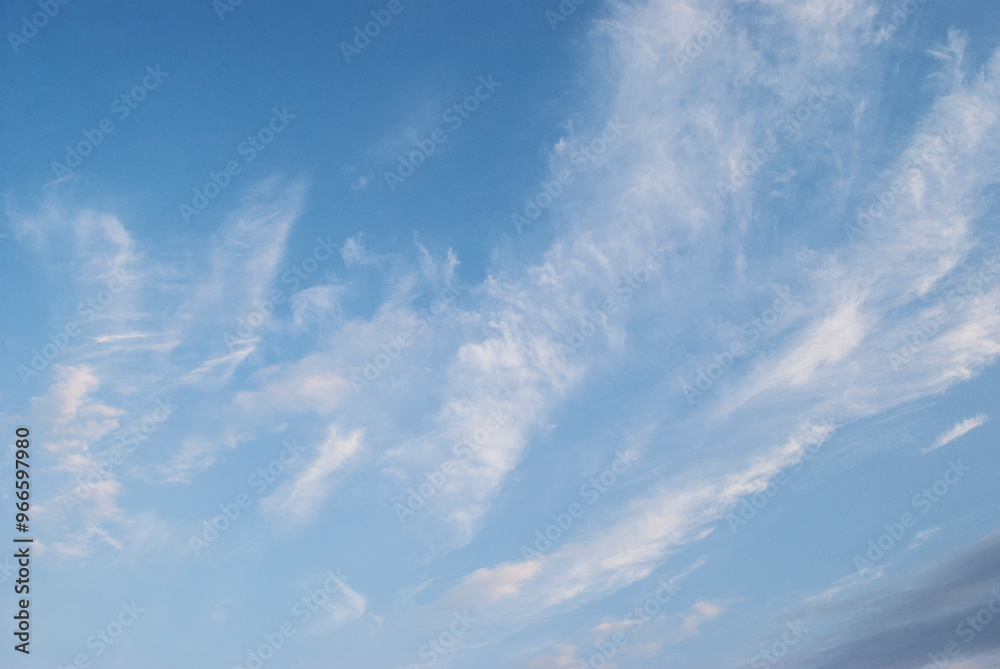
(957, 430)
(297, 502)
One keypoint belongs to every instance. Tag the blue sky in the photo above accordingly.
(611, 334)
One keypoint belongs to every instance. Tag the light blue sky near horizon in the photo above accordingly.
(565, 346)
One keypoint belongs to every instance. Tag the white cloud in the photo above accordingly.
(196, 454)
(564, 657)
(317, 303)
(346, 606)
(297, 388)
(646, 532)
(701, 612)
(506, 351)
(69, 405)
(296, 503)
(354, 252)
(956, 431)
(921, 537)
(833, 361)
